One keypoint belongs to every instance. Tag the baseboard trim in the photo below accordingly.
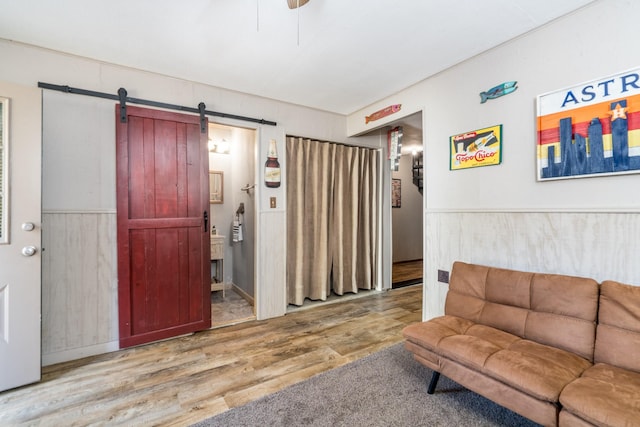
(79, 353)
(406, 283)
(248, 298)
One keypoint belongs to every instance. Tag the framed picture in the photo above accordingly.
(590, 129)
(417, 170)
(216, 187)
(482, 147)
(396, 192)
(394, 142)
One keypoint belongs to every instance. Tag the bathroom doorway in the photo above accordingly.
(232, 179)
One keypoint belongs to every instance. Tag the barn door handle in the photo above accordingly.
(206, 220)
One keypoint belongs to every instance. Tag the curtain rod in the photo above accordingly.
(346, 144)
(121, 97)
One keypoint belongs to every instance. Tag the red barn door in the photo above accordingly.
(163, 241)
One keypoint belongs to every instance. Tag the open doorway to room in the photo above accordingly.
(232, 179)
(407, 186)
(402, 237)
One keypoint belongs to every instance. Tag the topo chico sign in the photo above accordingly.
(591, 129)
(482, 147)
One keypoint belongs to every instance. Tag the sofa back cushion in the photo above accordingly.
(551, 309)
(618, 334)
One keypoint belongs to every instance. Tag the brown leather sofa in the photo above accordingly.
(557, 349)
(608, 393)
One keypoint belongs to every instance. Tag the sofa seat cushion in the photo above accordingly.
(533, 368)
(604, 395)
(537, 369)
(429, 334)
(476, 345)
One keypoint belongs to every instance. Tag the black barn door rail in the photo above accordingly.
(123, 99)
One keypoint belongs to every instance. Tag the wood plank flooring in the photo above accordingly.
(406, 272)
(184, 380)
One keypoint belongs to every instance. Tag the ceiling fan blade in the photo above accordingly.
(295, 3)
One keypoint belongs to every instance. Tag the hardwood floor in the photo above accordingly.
(406, 272)
(184, 380)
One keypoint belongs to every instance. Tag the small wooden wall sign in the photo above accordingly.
(391, 109)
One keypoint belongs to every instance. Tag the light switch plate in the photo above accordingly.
(443, 276)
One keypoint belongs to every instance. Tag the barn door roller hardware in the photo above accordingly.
(203, 121)
(122, 94)
(123, 99)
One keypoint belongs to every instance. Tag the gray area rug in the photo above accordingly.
(387, 388)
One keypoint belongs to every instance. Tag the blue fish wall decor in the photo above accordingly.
(498, 91)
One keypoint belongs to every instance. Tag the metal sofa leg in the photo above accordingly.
(434, 381)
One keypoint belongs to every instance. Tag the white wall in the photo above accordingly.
(500, 215)
(79, 182)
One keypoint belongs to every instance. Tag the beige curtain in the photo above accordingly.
(332, 216)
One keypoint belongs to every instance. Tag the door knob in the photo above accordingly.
(29, 251)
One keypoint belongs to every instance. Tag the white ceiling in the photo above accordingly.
(347, 54)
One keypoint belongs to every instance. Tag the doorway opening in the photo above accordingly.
(407, 215)
(232, 182)
(403, 216)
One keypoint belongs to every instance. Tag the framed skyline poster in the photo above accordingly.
(590, 129)
(482, 147)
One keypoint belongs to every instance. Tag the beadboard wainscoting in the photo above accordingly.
(79, 285)
(598, 245)
(271, 288)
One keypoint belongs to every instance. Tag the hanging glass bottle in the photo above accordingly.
(272, 167)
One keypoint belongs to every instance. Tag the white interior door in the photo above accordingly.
(20, 260)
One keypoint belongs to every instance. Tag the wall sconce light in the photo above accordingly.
(219, 147)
